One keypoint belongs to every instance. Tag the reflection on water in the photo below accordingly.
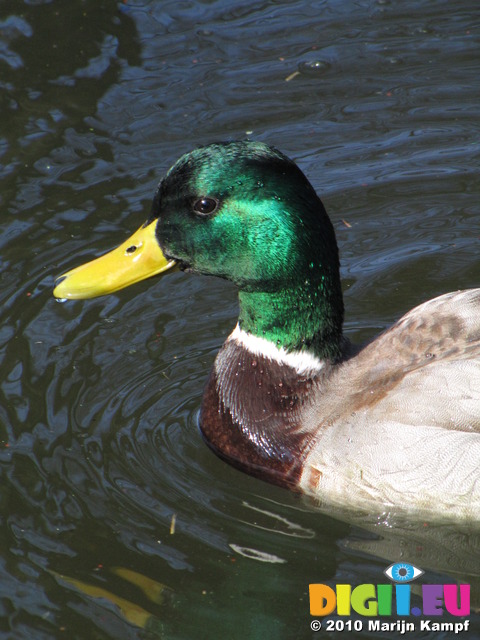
(108, 494)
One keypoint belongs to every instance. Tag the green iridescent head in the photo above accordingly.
(245, 212)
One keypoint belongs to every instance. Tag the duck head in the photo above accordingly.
(245, 212)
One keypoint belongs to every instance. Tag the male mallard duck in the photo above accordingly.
(395, 423)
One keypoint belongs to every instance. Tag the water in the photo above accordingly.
(103, 469)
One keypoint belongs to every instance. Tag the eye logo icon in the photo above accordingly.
(403, 572)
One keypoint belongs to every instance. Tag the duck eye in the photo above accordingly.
(205, 206)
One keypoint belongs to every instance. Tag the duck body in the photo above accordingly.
(394, 425)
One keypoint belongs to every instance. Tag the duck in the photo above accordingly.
(392, 425)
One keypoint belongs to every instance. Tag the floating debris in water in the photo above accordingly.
(313, 67)
(309, 68)
(292, 76)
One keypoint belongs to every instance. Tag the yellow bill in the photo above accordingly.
(138, 258)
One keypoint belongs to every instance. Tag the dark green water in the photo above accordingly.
(99, 448)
